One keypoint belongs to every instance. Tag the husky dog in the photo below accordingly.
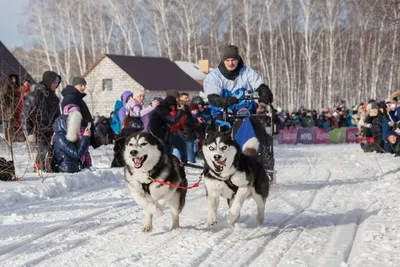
(145, 159)
(232, 175)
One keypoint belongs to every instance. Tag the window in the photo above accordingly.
(107, 84)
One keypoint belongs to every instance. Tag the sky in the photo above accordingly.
(11, 16)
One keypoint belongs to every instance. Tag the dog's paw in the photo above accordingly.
(260, 220)
(232, 218)
(211, 223)
(174, 226)
(147, 228)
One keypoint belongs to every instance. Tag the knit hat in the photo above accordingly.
(69, 108)
(389, 100)
(193, 106)
(374, 105)
(78, 80)
(230, 51)
(170, 101)
(137, 92)
(382, 104)
(392, 133)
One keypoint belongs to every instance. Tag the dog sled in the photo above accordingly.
(246, 126)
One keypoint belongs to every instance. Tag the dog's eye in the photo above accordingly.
(224, 148)
(130, 144)
(211, 148)
(143, 144)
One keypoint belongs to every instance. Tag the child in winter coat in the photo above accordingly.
(69, 151)
(192, 129)
(86, 159)
(115, 121)
(134, 108)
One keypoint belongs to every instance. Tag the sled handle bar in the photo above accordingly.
(225, 116)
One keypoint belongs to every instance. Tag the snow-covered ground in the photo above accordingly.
(332, 205)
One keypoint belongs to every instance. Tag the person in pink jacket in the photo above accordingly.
(134, 108)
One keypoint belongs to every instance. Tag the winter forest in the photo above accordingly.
(310, 52)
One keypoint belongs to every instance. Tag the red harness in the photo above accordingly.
(179, 186)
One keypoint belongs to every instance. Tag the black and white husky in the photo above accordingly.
(145, 160)
(232, 175)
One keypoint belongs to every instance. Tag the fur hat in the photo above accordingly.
(73, 122)
(73, 125)
(230, 51)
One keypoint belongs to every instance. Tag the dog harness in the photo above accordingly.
(231, 186)
(146, 187)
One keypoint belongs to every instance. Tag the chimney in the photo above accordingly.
(204, 66)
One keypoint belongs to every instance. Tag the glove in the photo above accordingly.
(31, 138)
(222, 101)
(265, 94)
(231, 100)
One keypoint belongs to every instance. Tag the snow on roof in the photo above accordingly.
(191, 69)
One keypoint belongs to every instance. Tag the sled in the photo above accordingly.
(257, 124)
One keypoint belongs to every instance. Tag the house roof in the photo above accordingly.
(153, 73)
(191, 69)
(10, 65)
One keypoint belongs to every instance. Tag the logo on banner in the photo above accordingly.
(322, 135)
(306, 136)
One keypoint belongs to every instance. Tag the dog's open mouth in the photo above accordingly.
(219, 165)
(138, 162)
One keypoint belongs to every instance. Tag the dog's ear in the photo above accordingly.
(209, 130)
(229, 132)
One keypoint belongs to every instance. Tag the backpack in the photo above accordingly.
(50, 163)
(116, 123)
(133, 122)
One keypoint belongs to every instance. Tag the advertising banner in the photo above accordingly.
(321, 136)
(337, 136)
(305, 136)
(351, 135)
(288, 136)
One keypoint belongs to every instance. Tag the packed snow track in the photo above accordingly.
(332, 205)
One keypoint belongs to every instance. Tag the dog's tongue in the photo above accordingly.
(220, 164)
(138, 160)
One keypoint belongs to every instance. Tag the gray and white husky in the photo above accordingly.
(145, 160)
(232, 175)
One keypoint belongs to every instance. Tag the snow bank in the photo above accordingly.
(59, 185)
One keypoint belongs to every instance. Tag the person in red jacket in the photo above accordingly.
(175, 139)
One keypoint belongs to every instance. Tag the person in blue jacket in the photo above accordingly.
(68, 148)
(230, 81)
(226, 85)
